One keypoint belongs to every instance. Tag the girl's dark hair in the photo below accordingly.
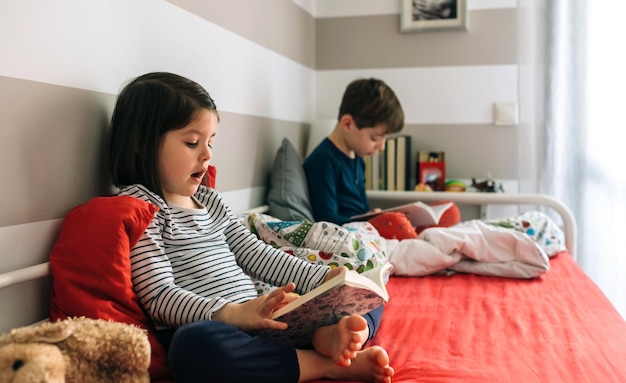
(371, 102)
(148, 107)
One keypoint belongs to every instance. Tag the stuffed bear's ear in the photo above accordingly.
(53, 334)
(49, 332)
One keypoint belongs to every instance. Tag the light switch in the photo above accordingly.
(505, 113)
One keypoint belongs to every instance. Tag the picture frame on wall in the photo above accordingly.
(433, 15)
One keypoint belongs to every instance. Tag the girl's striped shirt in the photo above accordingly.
(189, 263)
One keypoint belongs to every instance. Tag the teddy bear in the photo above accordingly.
(75, 350)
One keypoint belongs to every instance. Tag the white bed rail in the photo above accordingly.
(24, 275)
(389, 198)
(392, 198)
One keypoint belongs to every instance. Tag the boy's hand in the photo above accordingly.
(256, 313)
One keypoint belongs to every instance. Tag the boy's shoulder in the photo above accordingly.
(325, 151)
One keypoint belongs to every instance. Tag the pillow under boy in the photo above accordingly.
(288, 197)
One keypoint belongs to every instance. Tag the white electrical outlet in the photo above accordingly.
(505, 113)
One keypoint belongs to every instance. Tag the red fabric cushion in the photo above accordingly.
(393, 225)
(90, 267)
(209, 177)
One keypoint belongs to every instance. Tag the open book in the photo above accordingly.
(345, 294)
(419, 213)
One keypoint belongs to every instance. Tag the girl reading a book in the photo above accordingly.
(191, 268)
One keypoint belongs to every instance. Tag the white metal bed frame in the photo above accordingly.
(388, 199)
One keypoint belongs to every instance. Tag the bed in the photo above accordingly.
(558, 327)
(471, 328)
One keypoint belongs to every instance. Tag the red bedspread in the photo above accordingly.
(469, 328)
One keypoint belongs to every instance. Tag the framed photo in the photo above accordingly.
(432, 15)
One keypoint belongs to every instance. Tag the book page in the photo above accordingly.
(419, 213)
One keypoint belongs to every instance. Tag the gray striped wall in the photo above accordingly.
(272, 67)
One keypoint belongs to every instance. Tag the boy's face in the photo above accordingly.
(367, 140)
(184, 156)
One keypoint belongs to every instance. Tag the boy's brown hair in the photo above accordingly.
(371, 102)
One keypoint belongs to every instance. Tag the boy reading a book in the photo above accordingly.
(335, 170)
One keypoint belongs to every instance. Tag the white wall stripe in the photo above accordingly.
(242, 199)
(27, 244)
(98, 45)
(348, 8)
(437, 95)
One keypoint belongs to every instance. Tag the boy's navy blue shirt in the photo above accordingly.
(336, 184)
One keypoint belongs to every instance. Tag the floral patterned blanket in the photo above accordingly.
(513, 247)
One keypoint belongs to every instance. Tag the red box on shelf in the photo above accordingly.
(431, 170)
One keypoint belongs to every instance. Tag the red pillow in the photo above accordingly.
(209, 177)
(90, 265)
(393, 225)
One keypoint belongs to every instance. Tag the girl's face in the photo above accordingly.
(184, 156)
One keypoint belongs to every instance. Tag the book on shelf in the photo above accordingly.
(390, 163)
(374, 172)
(345, 294)
(390, 169)
(403, 162)
(419, 213)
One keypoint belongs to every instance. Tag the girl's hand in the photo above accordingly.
(335, 271)
(256, 313)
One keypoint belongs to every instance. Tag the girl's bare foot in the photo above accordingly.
(369, 365)
(341, 342)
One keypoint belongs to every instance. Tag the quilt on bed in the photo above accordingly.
(471, 328)
(517, 247)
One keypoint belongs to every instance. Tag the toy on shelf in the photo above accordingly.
(431, 169)
(422, 187)
(487, 186)
(455, 186)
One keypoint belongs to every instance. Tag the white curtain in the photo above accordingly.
(604, 194)
(575, 66)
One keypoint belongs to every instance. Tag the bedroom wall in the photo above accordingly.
(63, 61)
(272, 70)
(447, 81)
